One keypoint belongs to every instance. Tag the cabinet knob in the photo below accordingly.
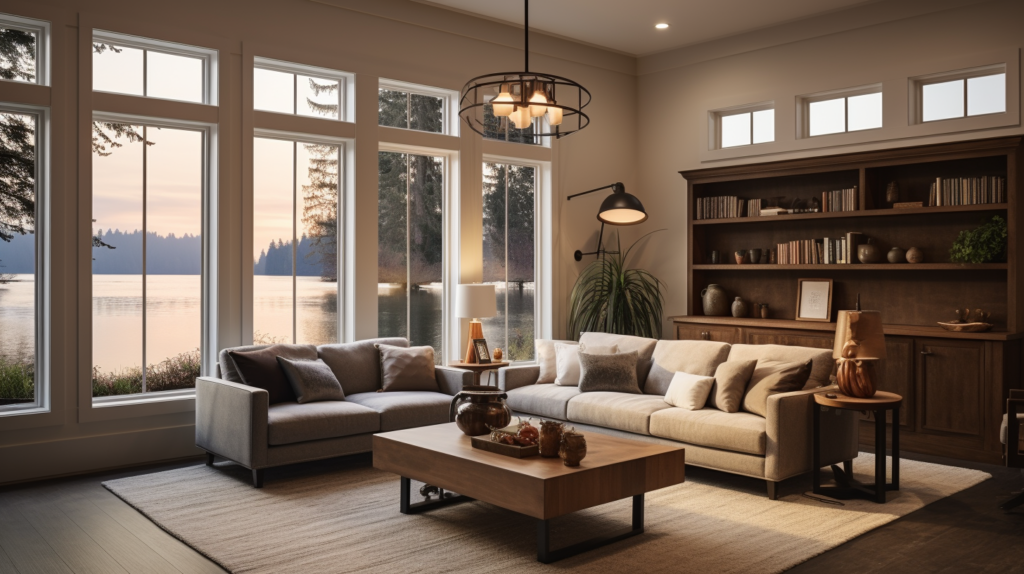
(926, 353)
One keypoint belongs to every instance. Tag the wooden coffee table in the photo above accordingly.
(543, 488)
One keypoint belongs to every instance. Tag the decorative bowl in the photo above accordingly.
(966, 327)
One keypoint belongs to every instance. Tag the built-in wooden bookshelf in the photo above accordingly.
(954, 390)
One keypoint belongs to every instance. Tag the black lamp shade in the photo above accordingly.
(621, 208)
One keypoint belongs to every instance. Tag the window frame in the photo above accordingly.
(918, 83)
(715, 123)
(42, 30)
(345, 148)
(208, 56)
(209, 267)
(449, 104)
(346, 87)
(42, 380)
(804, 109)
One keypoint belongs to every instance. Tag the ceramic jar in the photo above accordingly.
(573, 448)
(741, 256)
(915, 255)
(476, 409)
(896, 255)
(764, 310)
(550, 438)
(755, 256)
(869, 253)
(740, 308)
(714, 301)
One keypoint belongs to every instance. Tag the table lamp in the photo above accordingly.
(472, 302)
(859, 342)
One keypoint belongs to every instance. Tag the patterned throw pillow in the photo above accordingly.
(567, 361)
(311, 381)
(612, 373)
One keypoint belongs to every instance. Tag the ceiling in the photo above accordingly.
(628, 26)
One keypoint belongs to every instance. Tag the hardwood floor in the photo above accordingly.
(74, 525)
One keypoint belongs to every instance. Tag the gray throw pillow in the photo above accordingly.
(731, 379)
(311, 381)
(612, 373)
(658, 380)
(407, 369)
(771, 378)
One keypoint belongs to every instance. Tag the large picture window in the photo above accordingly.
(410, 248)
(20, 277)
(295, 241)
(147, 268)
(509, 256)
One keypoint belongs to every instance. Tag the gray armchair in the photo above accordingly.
(1010, 436)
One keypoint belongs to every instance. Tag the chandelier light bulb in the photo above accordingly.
(554, 116)
(521, 117)
(538, 97)
(498, 105)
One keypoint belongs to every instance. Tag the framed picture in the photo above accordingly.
(482, 355)
(814, 300)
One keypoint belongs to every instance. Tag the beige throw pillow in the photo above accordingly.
(567, 361)
(688, 391)
(407, 368)
(772, 378)
(546, 360)
(731, 379)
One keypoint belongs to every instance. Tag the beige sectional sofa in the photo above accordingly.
(772, 448)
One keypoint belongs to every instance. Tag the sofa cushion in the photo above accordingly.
(259, 368)
(630, 413)
(688, 391)
(407, 368)
(405, 409)
(643, 346)
(311, 381)
(546, 359)
(289, 423)
(737, 432)
(613, 373)
(694, 357)
(357, 365)
(771, 378)
(548, 401)
(822, 361)
(731, 378)
(226, 365)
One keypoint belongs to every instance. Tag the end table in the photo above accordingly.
(846, 487)
(480, 368)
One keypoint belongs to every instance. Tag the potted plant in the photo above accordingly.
(986, 244)
(609, 298)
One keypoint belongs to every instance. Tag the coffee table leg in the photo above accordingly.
(546, 555)
(406, 506)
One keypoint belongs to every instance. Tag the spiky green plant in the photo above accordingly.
(609, 298)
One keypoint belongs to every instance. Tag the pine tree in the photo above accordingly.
(320, 208)
(517, 234)
(17, 55)
(17, 175)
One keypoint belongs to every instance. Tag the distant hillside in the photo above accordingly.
(165, 255)
(276, 259)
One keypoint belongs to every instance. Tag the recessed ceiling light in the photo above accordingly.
(661, 25)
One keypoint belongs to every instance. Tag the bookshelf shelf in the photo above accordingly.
(855, 214)
(859, 267)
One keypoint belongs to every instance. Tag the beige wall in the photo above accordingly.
(394, 39)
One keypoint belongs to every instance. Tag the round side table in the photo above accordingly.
(480, 368)
(846, 487)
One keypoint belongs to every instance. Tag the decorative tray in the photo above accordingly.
(515, 451)
(966, 327)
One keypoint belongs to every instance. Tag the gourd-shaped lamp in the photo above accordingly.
(859, 342)
(475, 300)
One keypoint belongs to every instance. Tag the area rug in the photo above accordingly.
(344, 518)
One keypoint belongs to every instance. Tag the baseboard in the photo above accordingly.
(40, 461)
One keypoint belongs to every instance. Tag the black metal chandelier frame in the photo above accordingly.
(473, 95)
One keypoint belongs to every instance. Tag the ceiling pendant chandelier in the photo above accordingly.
(522, 97)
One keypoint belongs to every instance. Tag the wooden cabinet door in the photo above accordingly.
(697, 332)
(896, 375)
(815, 339)
(951, 387)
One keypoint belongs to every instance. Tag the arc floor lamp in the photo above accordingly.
(619, 208)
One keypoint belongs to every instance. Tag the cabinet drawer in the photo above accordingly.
(815, 339)
(696, 332)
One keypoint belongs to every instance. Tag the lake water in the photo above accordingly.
(173, 319)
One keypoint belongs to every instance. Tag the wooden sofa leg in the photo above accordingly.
(1013, 502)
(257, 478)
(773, 490)
(209, 459)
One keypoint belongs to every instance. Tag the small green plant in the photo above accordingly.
(17, 379)
(986, 244)
(177, 372)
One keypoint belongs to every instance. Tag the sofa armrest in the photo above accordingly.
(451, 380)
(790, 430)
(510, 378)
(231, 421)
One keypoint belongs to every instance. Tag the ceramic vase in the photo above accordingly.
(741, 256)
(896, 255)
(764, 310)
(755, 255)
(740, 308)
(915, 255)
(869, 253)
(714, 301)
(550, 438)
(573, 448)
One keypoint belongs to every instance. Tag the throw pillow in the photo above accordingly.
(612, 373)
(546, 361)
(776, 377)
(567, 361)
(658, 380)
(311, 380)
(731, 379)
(260, 369)
(688, 391)
(407, 368)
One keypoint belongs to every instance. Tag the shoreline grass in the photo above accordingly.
(17, 379)
(177, 372)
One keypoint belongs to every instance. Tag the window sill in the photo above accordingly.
(136, 406)
(18, 410)
(143, 399)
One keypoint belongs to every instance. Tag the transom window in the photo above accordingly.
(746, 126)
(300, 90)
(24, 44)
(961, 94)
(848, 111)
(137, 66)
(502, 129)
(415, 107)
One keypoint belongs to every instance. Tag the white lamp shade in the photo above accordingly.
(476, 300)
(538, 105)
(554, 116)
(502, 105)
(521, 117)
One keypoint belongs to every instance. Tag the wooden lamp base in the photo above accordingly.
(857, 378)
(476, 331)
